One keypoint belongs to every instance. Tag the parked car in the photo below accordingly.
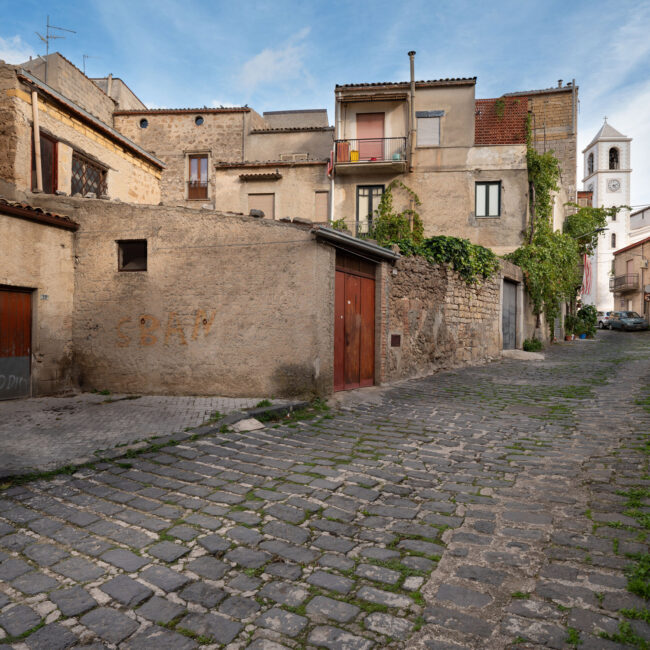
(603, 319)
(627, 320)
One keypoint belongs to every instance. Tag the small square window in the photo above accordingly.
(488, 199)
(132, 255)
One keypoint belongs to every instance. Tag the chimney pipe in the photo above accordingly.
(559, 83)
(412, 115)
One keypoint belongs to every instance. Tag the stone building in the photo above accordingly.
(630, 283)
(554, 127)
(466, 160)
(79, 150)
(234, 159)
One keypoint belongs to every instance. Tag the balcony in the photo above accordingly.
(371, 155)
(197, 190)
(623, 283)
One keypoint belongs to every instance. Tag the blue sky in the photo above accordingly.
(286, 54)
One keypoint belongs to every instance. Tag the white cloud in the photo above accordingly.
(217, 103)
(14, 50)
(277, 66)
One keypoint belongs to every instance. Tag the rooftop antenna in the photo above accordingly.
(50, 36)
(86, 57)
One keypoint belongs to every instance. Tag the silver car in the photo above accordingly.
(603, 319)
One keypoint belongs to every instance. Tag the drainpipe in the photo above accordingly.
(573, 107)
(412, 115)
(337, 136)
(37, 142)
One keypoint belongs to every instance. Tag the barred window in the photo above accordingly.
(87, 177)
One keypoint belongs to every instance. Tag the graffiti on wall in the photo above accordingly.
(147, 330)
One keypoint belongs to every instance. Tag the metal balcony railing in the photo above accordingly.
(627, 282)
(197, 190)
(371, 150)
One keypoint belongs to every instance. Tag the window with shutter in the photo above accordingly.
(488, 199)
(428, 134)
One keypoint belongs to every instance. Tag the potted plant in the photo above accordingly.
(581, 329)
(570, 322)
(588, 316)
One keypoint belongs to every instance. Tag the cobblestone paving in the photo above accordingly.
(47, 432)
(489, 507)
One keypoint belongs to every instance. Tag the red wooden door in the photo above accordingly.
(354, 330)
(15, 343)
(370, 132)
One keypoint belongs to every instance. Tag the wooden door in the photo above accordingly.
(509, 315)
(15, 343)
(370, 133)
(354, 326)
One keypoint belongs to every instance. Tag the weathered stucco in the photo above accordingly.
(129, 177)
(229, 305)
(442, 321)
(41, 258)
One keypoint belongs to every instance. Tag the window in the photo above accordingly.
(87, 177)
(294, 156)
(321, 206)
(263, 202)
(613, 240)
(132, 255)
(197, 185)
(368, 198)
(48, 164)
(590, 164)
(613, 158)
(198, 120)
(144, 123)
(488, 199)
(428, 128)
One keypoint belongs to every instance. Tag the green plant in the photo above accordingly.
(339, 224)
(471, 261)
(532, 345)
(264, 402)
(392, 227)
(570, 323)
(588, 316)
(584, 223)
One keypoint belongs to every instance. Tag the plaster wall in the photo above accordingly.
(294, 192)
(228, 305)
(271, 145)
(635, 256)
(41, 258)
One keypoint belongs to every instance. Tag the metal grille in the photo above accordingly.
(87, 177)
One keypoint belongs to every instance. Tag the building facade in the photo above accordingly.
(607, 175)
(630, 284)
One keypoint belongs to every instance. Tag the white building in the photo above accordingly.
(607, 174)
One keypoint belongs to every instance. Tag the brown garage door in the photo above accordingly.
(354, 324)
(15, 342)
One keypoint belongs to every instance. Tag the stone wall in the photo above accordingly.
(442, 321)
(229, 305)
(41, 257)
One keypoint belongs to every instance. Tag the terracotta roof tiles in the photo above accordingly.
(31, 213)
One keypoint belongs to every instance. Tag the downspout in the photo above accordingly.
(243, 137)
(573, 106)
(37, 143)
(337, 136)
(412, 114)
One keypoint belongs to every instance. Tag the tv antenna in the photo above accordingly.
(86, 57)
(50, 36)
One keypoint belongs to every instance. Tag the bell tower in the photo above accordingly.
(607, 175)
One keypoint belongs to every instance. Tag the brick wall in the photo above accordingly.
(442, 321)
(501, 121)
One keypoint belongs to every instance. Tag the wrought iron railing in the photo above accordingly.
(371, 150)
(197, 189)
(624, 282)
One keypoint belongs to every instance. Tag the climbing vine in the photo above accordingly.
(392, 227)
(472, 262)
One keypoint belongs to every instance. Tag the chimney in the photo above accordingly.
(109, 84)
(412, 116)
(559, 83)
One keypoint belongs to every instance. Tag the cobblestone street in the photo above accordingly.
(486, 508)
